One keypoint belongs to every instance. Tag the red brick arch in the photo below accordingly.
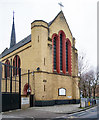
(63, 50)
(25, 89)
(57, 51)
(16, 64)
(64, 40)
(69, 56)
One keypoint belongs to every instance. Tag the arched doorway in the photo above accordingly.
(27, 89)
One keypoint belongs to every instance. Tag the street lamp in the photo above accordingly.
(28, 91)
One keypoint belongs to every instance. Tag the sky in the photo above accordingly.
(81, 16)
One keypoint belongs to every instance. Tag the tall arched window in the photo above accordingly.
(55, 43)
(16, 64)
(60, 51)
(7, 69)
(54, 51)
(66, 56)
(62, 54)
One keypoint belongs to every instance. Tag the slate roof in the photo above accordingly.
(26, 40)
(16, 46)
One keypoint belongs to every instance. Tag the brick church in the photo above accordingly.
(50, 55)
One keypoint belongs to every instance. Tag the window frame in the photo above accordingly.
(16, 64)
(59, 91)
(7, 67)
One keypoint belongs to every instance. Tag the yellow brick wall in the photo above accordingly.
(60, 24)
(32, 55)
(74, 62)
(56, 26)
(25, 55)
(39, 38)
(52, 84)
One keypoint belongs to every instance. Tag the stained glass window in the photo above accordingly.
(54, 53)
(7, 69)
(60, 51)
(16, 64)
(66, 57)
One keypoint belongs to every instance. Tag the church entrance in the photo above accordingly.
(31, 100)
(10, 87)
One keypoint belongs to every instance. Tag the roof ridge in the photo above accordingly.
(54, 18)
(16, 46)
(65, 21)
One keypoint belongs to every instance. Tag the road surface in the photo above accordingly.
(92, 113)
(30, 114)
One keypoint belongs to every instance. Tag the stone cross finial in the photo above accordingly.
(60, 5)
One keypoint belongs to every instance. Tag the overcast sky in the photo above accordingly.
(81, 16)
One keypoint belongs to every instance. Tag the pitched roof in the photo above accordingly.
(27, 39)
(55, 19)
(16, 46)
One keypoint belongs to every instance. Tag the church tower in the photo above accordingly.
(13, 36)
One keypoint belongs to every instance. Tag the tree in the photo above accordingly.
(82, 64)
(82, 69)
(84, 85)
(88, 77)
(94, 83)
(91, 78)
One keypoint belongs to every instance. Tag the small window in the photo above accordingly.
(62, 92)
(44, 87)
(7, 68)
(38, 38)
(44, 61)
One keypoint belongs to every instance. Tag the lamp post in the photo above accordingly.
(28, 90)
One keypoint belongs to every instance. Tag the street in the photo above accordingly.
(43, 113)
(89, 114)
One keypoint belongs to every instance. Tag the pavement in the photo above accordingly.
(63, 109)
(60, 108)
(44, 112)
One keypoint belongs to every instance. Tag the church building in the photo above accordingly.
(48, 60)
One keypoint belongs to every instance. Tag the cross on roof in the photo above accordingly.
(60, 5)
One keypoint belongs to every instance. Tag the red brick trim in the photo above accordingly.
(57, 52)
(69, 56)
(25, 88)
(64, 40)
